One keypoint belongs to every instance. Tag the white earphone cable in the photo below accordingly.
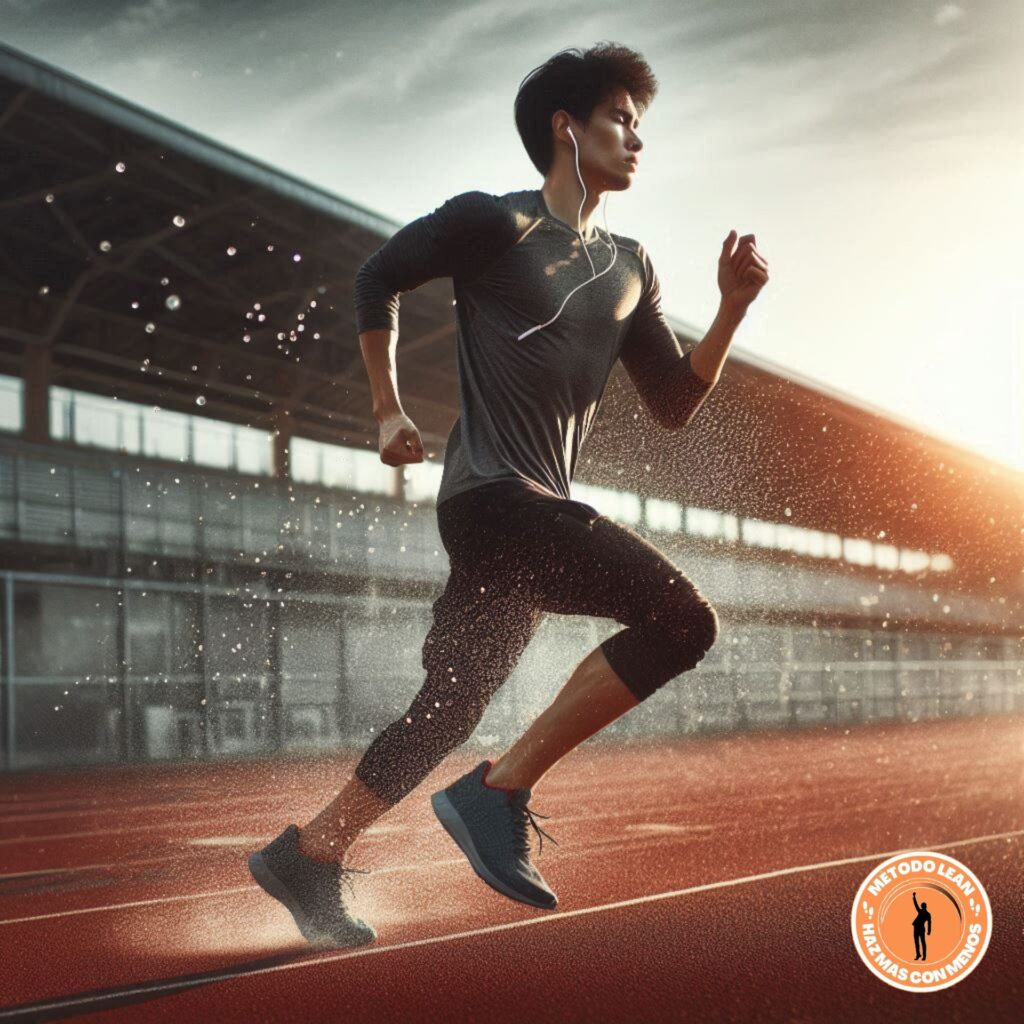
(593, 270)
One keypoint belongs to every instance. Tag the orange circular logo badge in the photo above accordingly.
(921, 921)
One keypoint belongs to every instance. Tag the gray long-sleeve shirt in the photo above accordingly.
(526, 407)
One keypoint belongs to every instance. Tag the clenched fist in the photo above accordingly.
(400, 441)
(741, 274)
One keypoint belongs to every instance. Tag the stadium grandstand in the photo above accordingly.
(202, 555)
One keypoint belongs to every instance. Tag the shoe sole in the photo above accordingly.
(273, 886)
(453, 824)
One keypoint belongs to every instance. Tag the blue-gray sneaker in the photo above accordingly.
(490, 826)
(311, 890)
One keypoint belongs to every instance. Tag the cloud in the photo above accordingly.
(151, 16)
(23, 6)
(405, 59)
(947, 13)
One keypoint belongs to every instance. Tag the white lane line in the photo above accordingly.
(126, 906)
(212, 841)
(605, 846)
(489, 930)
(660, 809)
(80, 867)
(609, 791)
(218, 842)
(245, 841)
(109, 832)
(112, 808)
(394, 869)
(585, 814)
(428, 865)
(258, 841)
(664, 826)
(155, 826)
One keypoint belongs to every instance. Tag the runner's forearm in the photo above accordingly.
(379, 346)
(709, 355)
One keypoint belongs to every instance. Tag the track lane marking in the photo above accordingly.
(600, 845)
(36, 1008)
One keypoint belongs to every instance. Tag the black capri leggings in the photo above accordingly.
(514, 555)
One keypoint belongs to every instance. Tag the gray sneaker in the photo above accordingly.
(311, 890)
(489, 824)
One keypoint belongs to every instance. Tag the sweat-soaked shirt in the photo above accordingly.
(526, 407)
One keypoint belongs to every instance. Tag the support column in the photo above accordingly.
(282, 435)
(203, 662)
(281, 420)
(275, 704)
(36, 365)
(126, 744)
(7, 690)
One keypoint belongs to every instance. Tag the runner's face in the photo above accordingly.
(610, 139)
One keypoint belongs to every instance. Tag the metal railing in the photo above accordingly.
(211, 695)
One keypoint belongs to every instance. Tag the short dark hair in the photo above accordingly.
(577, 81)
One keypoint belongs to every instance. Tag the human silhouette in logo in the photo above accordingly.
(923, 918)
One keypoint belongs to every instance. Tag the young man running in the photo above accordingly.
(545, 305)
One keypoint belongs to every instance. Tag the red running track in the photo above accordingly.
(704, 879)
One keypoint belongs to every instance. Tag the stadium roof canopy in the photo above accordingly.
(108, 212)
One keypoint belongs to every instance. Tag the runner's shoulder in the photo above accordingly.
(480, 214)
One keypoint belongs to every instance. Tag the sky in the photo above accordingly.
(873, 148)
